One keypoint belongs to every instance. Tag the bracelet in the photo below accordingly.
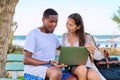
(49, 61)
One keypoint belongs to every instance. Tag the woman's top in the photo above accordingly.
(89, 39)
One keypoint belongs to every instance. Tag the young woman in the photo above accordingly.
(77, 37)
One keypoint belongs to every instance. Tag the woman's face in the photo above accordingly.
(71, 26)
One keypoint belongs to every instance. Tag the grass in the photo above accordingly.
(21, 77)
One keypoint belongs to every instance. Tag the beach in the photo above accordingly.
(101, 40)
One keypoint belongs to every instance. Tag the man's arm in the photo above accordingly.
(32, 61)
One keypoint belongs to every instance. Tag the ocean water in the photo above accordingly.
(101, 40)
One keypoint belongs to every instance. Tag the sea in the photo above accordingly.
(101, 40)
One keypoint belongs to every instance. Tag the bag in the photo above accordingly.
(111, 73)
(112, 62)
(109, 67)
(107, 62)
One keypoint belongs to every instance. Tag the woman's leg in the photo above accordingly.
(93, 75)
(80, 72)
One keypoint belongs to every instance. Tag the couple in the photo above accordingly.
(41, 44)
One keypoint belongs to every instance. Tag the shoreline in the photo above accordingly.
(101, 40)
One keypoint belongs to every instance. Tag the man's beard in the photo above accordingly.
(48, 31)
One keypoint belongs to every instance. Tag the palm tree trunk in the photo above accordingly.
(7, 10)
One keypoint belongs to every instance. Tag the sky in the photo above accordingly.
(97, 15)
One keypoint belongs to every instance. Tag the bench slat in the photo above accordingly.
(14, 57)
(14, 67)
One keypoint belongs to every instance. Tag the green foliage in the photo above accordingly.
(15, 49)
(111, 51)
(116, 17)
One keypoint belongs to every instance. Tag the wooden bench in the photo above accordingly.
(14, 63)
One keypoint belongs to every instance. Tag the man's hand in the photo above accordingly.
(55, 63)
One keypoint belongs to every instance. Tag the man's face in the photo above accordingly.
(50, 23)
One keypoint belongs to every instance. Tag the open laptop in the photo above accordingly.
(73, 55)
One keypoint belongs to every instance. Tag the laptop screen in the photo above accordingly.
(73, 55)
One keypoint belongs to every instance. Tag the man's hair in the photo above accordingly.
(48, 12)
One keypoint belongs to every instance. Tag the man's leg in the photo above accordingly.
(54, 73)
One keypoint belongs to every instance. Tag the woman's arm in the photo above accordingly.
(97, 53)
(93, 48)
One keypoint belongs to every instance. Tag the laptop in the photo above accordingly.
(73, 55)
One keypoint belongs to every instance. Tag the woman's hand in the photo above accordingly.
(91, 48)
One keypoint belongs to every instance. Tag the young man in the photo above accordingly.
(40, 48)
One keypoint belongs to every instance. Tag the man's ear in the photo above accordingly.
(43, 19)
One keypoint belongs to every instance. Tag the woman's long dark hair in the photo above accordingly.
(80, 32)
